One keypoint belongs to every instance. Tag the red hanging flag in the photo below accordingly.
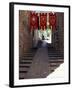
(52, 20)
(33, 21)
(43, 20)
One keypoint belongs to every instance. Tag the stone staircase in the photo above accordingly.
(25, 63)
(55, 58)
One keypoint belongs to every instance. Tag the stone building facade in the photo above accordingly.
(25, 38)
(58, 34)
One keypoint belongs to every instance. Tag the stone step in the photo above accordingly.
(24, 66)
(26, 59)
(25, 62)
(52, 61)
(54, 64)
(27, 56)
(52, 68)
(21, 65)
(55, 58)
(55, 55)
(23, 69)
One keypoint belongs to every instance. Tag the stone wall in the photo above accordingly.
(58, 34)
(25, 39)
(61, 32)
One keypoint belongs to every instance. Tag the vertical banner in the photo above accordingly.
(52, 20)
(33, 21)
(43, 20)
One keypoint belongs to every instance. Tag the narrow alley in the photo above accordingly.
(41, 43)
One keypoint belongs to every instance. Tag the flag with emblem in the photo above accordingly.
(43, 21)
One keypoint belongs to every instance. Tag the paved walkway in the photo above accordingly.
(40, 64)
